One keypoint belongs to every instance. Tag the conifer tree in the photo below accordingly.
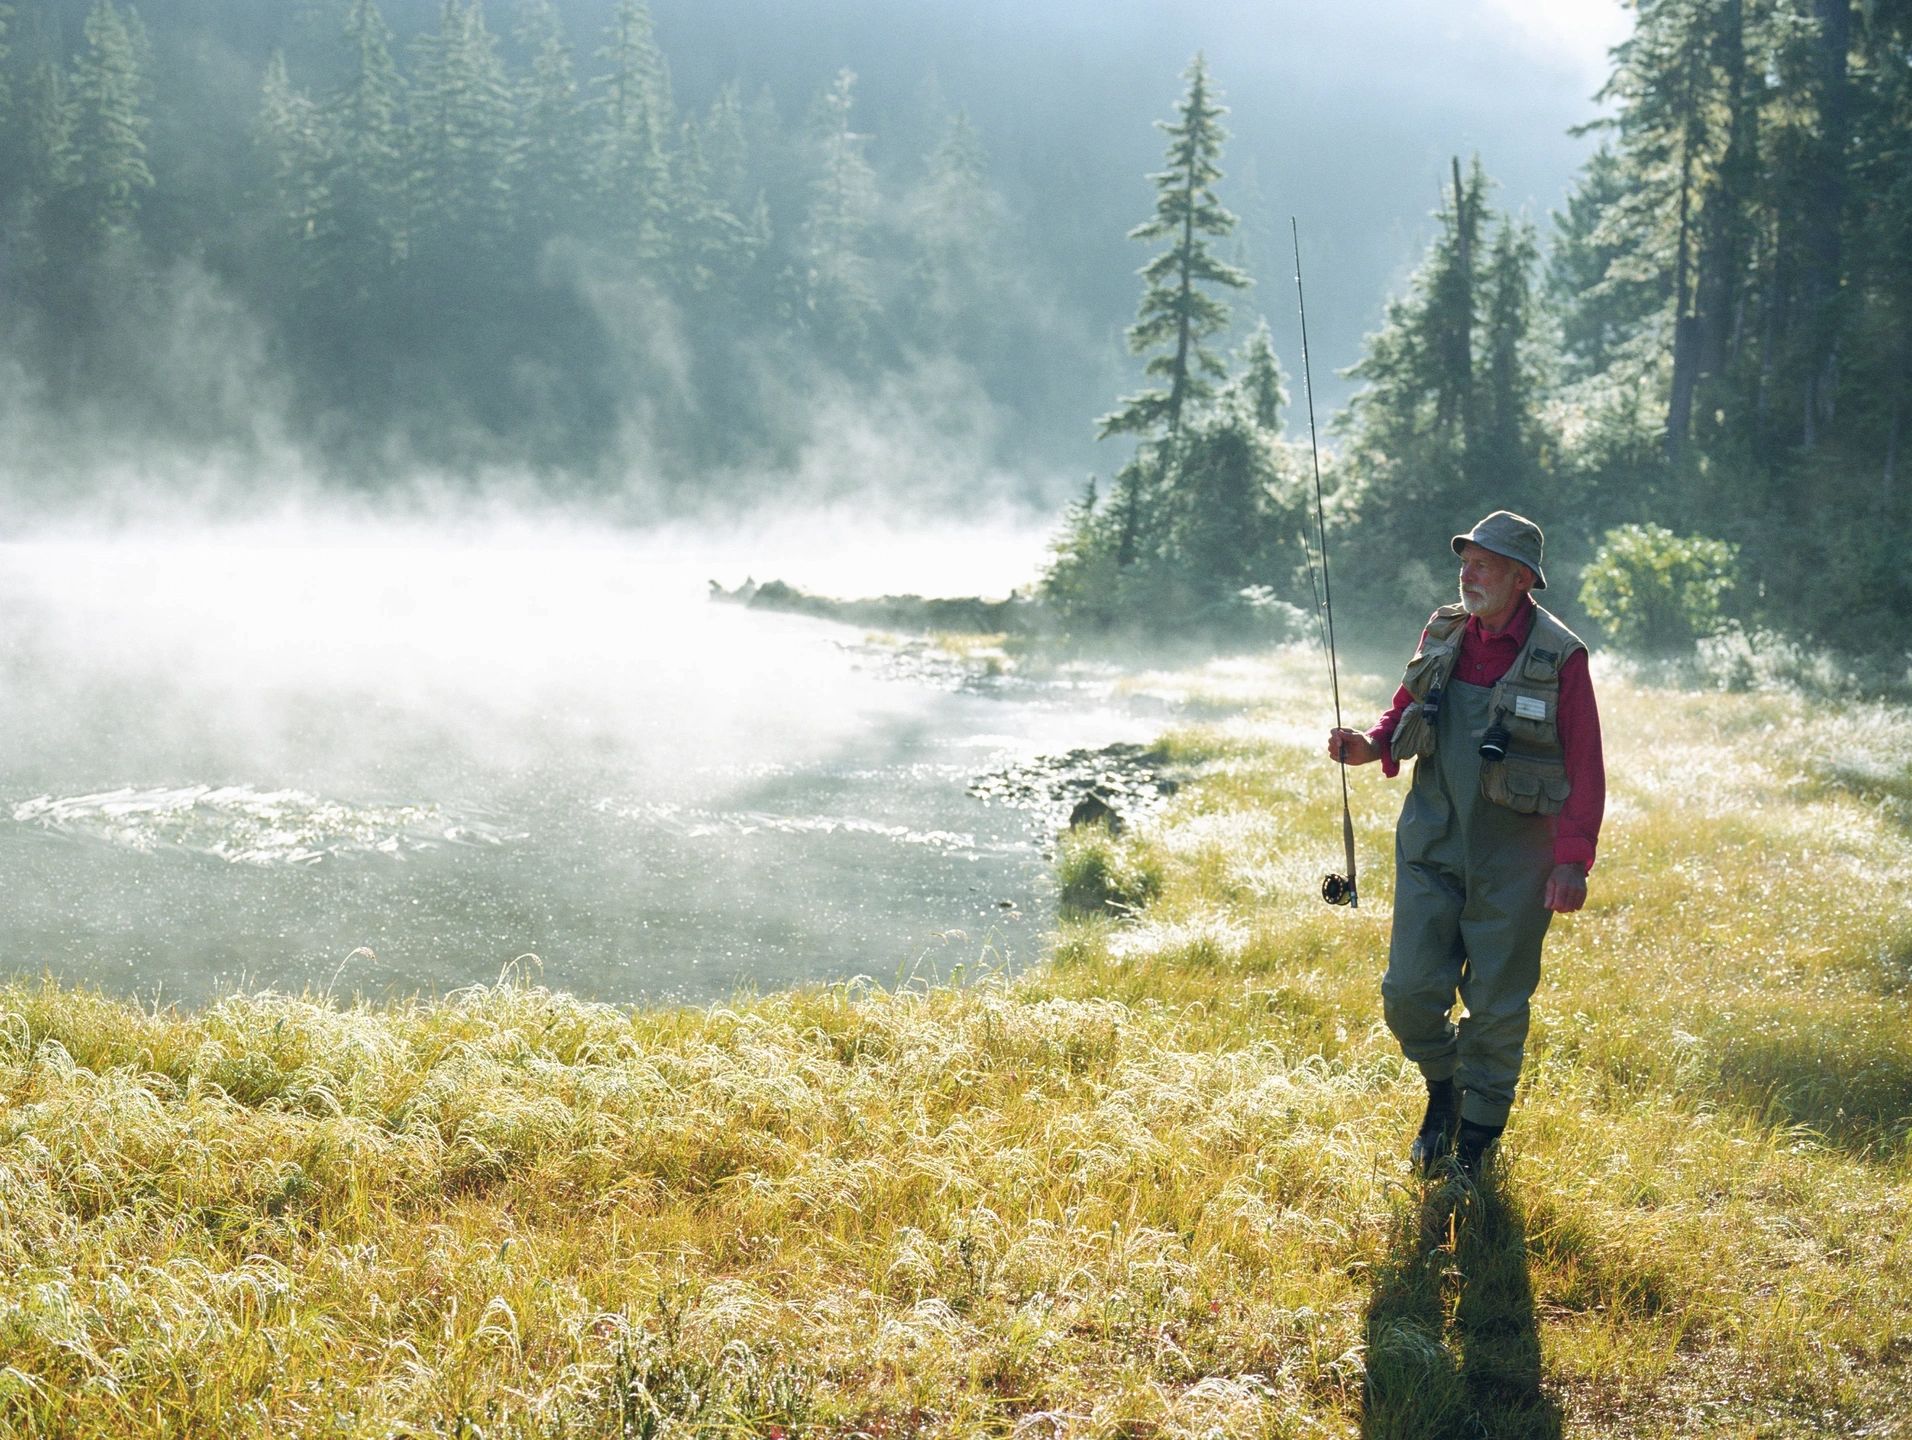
(710, 246)
(1176, 313)
(1600, 297)
(1258, 385)
(634, 116)
(464, 151)
(552, 176)
(364, 230)
(48, 217)
(726, 149)
(1444, 420)
(1688, 95)
(1448, 317)
(955, 219)
(292, 135)
(836, 292)
(110, 121)
(1501, 455)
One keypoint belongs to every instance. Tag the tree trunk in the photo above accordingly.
(1825, 213)
(1722, 256)
(1464, 337)
(1679, 403)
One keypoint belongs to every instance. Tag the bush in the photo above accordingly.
(1655, 592)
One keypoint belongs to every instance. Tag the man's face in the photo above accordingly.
(1490, 583)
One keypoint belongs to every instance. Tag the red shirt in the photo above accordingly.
(1484, 658)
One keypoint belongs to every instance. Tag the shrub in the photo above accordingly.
(1656, 592)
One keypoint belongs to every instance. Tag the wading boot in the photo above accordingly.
(1436, 1137)
(1472, 1147)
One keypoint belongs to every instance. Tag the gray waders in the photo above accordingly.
(1470, 879)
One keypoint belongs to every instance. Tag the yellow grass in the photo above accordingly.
(1154, 1187)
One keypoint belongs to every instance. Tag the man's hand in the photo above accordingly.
(1351, 747)
(1566, 888)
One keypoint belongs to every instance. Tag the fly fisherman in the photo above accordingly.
(1497, 834)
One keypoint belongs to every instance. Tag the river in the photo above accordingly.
(394, 759)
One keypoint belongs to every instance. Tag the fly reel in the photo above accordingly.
(1337, 889)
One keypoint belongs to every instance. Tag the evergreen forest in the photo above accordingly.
(487, 239)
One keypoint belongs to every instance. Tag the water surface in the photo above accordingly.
(394, 761)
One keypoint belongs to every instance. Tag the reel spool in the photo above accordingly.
(1337, 889)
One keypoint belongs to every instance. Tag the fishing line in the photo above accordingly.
(1335, 889)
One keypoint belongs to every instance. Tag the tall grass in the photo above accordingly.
(1154, 1187)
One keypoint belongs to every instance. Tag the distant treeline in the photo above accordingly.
(1719, 342)
(484, 241)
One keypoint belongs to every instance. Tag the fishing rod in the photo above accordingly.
(1335, 889)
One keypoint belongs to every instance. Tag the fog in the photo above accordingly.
(392, 756)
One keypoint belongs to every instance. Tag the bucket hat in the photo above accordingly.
(1514, 536)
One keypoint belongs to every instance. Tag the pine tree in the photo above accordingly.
(1444, 422)
(552, 176)
(110, 121)
(1501, 456)
(1176, 314)
(1450, 315)
(726, 148)
(1221, 531)
(1600, 299)
(49, 223)
(710, 246)
(464, 150)
(954, 220)
(292, 134)
(836, 294)
(634, 117)
(363, 230)
(1258, 385)
(1689, 95)
(1080, 583)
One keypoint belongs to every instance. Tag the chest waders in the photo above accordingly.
(1470, 878)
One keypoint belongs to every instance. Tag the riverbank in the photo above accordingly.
(1154, 1186)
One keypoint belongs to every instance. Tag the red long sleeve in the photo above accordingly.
(1576, 829)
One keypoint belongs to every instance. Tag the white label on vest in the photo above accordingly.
(1530, 707)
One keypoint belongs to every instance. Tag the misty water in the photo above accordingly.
(392, 760)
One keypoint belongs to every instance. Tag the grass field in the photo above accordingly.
(1155, 1187)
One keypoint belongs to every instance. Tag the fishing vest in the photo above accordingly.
(1526, 700)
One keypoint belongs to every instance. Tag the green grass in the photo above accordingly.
(1154, 1187)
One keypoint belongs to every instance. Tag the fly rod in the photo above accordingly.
(1335, 889)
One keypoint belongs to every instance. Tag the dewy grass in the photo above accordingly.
(1154, 1187)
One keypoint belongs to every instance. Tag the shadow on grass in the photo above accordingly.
(1453, 1345)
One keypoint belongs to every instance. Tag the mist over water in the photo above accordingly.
(390, 757)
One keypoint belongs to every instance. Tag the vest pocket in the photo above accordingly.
(1413, 737)
(1529, 713)
(1526, 783)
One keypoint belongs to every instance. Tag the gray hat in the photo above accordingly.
(1514, 536)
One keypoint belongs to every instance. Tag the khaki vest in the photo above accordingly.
(1533, 777)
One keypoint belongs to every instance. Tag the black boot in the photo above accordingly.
(1436, 1137)
(1471, 1149)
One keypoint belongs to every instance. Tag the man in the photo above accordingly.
(1496, 836)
